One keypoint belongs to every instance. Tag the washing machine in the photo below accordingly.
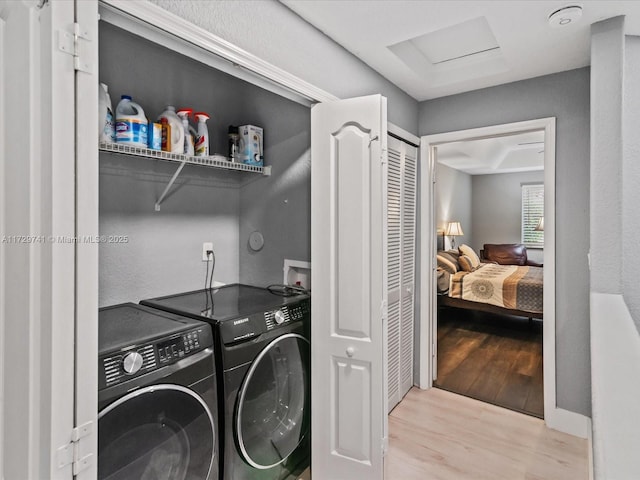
(157, 397)
(262, 342)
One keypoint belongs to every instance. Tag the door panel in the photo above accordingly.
(86, 392)
(348, 195)
(351, 421)
(37, 189)
(409, 194)
(394, 260)
(349, 163)
(401, 214)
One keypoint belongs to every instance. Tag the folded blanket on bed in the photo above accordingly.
(507, 286)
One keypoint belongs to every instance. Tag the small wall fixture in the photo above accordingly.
(565, 16)
(454, 229)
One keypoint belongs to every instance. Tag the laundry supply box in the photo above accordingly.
(251, 138)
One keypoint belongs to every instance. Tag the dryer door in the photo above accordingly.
(272, 414)
(159, 432)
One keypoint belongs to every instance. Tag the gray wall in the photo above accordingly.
(564, 96)
(453, 203)
(615, 166)
(607, 57)
(497, 209)
(631, 179)
(274, 33)
(163, 251)
(279, 206)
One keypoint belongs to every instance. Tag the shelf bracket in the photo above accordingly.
(168, 187)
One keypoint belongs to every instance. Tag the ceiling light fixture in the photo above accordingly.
(565, 16)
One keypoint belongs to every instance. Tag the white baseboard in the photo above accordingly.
(568, 422)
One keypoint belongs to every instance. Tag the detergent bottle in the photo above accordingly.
(131, 123)
(202, 144)
(106, 121)
(184, 114)
(177, 130)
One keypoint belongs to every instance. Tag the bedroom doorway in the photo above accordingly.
(432, 240)
(492, 191)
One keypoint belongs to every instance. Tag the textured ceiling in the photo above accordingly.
(406, 41)
(513, 153)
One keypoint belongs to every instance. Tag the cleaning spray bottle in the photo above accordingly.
(184, 114)
(202, 145)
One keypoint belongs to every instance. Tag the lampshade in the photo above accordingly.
(454, 229)
(540, 226)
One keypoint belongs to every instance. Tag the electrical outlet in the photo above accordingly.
(207, 246)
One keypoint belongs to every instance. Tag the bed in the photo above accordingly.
(490, 287)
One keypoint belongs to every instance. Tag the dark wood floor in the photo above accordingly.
(493, 358)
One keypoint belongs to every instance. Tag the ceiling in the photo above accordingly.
(433, 48)
(513, 153)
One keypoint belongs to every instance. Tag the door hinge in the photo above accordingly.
(383, 310)
(75, 44)
(71, 452)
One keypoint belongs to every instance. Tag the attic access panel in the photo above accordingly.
(453, 54)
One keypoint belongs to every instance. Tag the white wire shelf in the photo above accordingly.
(214, 161)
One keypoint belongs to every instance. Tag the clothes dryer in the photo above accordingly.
(157, 397)
(262, 342)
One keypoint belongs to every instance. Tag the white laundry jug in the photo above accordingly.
(131, 123)
(177, 130)
(106, 121)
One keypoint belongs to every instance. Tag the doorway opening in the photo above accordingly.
(490, 200)
(431, 240)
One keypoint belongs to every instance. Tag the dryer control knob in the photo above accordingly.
(279, 317)
(132, 362)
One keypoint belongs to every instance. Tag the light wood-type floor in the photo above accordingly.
(438, 435)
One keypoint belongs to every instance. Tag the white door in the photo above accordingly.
(401, 215)
(348, 254)
(37, 253)
(86, 347)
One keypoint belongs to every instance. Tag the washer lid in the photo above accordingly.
(122, 325)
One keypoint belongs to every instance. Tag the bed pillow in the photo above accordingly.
(454, 254)
(466, 264)
(443, 280)
(468, 251)
(446, 263)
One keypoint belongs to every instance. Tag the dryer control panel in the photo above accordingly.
(135, 360)
(286, 314)
(245, 328)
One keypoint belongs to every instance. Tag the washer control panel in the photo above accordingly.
(129, 362)
(135, 360)
(178, 346)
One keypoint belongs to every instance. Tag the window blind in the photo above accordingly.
(532, 211)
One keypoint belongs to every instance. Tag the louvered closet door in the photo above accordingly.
(401, 219)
